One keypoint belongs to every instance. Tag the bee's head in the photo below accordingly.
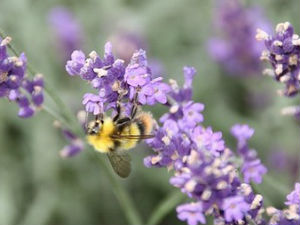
(94, 127)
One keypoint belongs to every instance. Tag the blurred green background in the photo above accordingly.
(38, 187)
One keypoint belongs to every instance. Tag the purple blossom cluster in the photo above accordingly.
(283, 53)
(115, 82)
(294, 197)
(66, 29)
(75, 143)
(290, 215)
(75, 146)
(204, 167)
(237, 50)
(252, 168)
(14, 84)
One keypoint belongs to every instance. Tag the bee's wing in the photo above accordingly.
(120, 162)
(133, 137)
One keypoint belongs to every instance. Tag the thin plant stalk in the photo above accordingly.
(166, 205)
(124, 199)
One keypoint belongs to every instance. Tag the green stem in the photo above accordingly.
(165, 207)
(2, 35)
(271, 184)
(281, 189)
(54, 115)
(258, 190)
(123, 197)
(67, 114)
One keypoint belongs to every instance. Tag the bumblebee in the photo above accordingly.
(115, 136)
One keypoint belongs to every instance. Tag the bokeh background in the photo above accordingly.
(38, 187)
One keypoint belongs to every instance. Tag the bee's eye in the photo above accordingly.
(95, 129)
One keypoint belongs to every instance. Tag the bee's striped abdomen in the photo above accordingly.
(141, 127)
(145, 123)
(131, 129)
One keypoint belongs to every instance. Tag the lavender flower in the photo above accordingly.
(14, 83)
(294, 197)
(66, 29)
(203, 165)
(235, 208)
(252, 168)
(237, 51)
(137, 72)
(75, 146)
(76, 63)
(192, 114)
(283, 52)
(159, 94)
(205, 169)
(116, 83)
(192, 213)
(93, 103)
(206, 138)
(289, 216)
(242, 132)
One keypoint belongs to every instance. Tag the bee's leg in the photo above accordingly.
(99, 118)
(134, 106)
(123, 120)
(116, 117)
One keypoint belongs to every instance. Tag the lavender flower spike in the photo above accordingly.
(75, 145)
(236, 50)
(192, 213)
(114, 83)
(294, 196)
(252, 168)
(203, 165)
(283, 53)
(14, 83)
(235, 208)
(290, 215)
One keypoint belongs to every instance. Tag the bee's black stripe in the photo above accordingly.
(141, 127)
(116, 144)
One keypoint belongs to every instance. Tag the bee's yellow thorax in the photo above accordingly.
(110, 138)
(103, 141)
(132, 129)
